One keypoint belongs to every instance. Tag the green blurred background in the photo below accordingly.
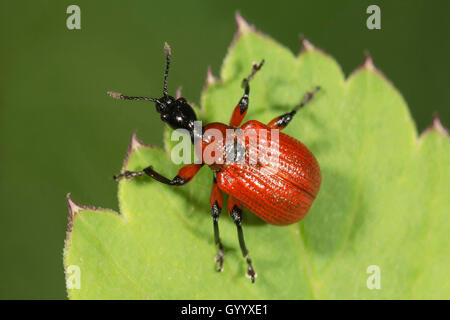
(60, 133)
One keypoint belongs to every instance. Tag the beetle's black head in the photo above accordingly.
(176, 112)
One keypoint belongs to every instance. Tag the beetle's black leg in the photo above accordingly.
(241, 109)
(185, 174)
(236, 214)
(216, 203)
(282, 121)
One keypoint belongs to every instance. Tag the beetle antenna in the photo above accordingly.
(166, 73)
(120, 96)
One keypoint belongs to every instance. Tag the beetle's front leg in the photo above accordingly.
(241, 109)
(185, 174)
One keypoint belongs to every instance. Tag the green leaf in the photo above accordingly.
(383, 200)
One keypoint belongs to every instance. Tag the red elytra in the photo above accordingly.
(280, 193)
(279, 190)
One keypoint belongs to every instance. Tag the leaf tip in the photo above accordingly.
(73, 210)
(135, 144)
(179, 93)
(436, 125)
(242, 25)
(306, 45)
(210, 78)
(369, 65)
(368, 62)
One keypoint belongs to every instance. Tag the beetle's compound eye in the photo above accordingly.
(165, 117)
(163, 104)
(160, 107)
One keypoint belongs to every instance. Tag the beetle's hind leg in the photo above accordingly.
(216, 203)
(235, 210)
(282, 121)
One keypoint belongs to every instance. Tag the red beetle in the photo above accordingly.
(279, 190)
